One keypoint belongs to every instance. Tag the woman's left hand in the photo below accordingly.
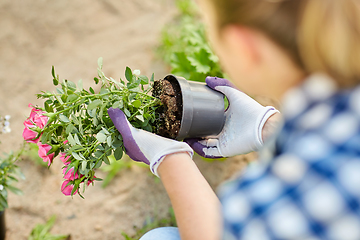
(144, 146)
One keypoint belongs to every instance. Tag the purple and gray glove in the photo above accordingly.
(242, 132)
(144, 146)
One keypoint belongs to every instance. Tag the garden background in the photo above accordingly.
(72, 35)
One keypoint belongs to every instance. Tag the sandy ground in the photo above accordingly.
(71, 35)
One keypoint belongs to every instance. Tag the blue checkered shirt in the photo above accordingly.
(306, 183)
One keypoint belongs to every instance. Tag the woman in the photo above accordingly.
(305, 53)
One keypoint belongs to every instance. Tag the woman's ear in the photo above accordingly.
(243, 43)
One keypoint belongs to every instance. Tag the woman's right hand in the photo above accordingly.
(242, 132)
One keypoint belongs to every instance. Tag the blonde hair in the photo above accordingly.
(319, 35)
(329, 38)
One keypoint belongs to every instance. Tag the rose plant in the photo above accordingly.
(74, 123)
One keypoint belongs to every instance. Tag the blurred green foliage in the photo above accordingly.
(42, 231)
(184, 46)
(9, 174)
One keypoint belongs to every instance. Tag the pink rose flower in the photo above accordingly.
(36, 119)
(43, 153)
(66, 190)
(29, 135)
(64, 158)
(70, 175)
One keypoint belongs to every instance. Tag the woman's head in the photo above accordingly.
(315, 35)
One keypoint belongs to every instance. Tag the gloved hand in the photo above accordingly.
(242, 132)
(144, 146)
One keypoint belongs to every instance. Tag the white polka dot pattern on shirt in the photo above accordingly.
(312, 147)
(236, 208)
(254, 170)
(342, 127)
(345, 228)
(324, 202)
(255, 230)
(349, 176)
(319, 86)
(315, 117)
(289, 168)
(287, 221)
(294, 103)
(265, 190)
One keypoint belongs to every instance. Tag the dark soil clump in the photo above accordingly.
(169, 114)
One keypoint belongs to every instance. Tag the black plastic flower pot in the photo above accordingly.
(201, 109)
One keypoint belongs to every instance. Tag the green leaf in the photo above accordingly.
(48, 108)
(72, 98)
(54, 148)
(55, 79)
(91, 112)
(69, 128)
(3, 203)
(132, 96)
(105, 131)
(77, 156)
(143, 79)
(83, 166)
(100, 62)
(76, 148)
(71, 85)
(104, 90)
(4, 193)
(96, 80)
(200, 61)
(118, 104)
(136, 103)
(118, 153)
(117, 143)
(53, 72)
(134, 88)
(98, 164)
(106, 160)
(107, 150)
(152, 77)
(76, 138)
(91, 89)
(15, 190)
(74, 118)
(127, 113)
(71, 140)
(140, 117)
(109, 141)
(98, 154)
(100, 147)
(101, 137)
(94, 104)
(64, 118)
(60, 91)
(128, 74)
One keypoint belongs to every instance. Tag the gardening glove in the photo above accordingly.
(242, 132)
(143, 146)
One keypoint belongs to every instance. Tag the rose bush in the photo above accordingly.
(74, 123)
